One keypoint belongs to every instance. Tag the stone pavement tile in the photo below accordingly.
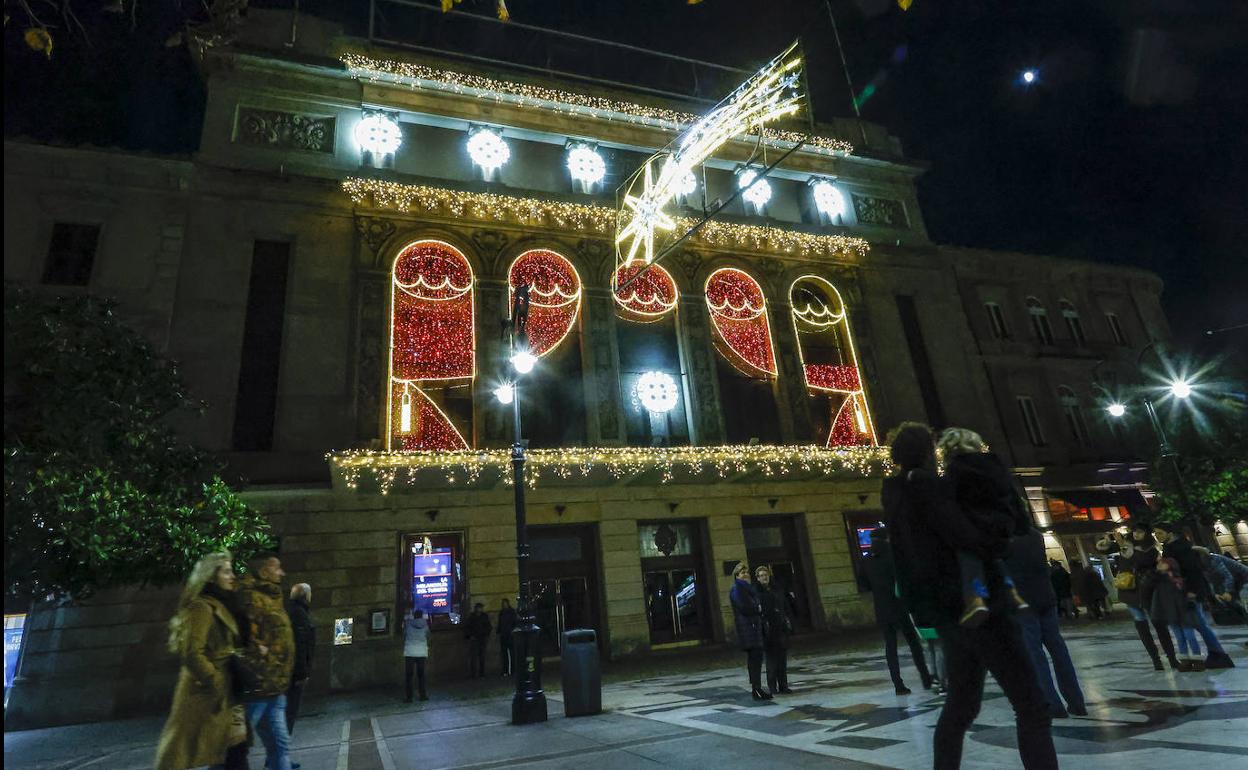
(479, 745)
(718, 751)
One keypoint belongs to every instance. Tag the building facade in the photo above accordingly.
(331, 269)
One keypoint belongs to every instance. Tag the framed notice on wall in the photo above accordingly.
(378, 622)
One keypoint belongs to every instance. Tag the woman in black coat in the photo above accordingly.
(777, 625)
(747, 614)
(1138, 557)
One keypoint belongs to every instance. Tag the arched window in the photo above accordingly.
(1073, 324)
(552, 395)
(746, 364)
(830, 362)
(1073, 414)
(650, 364)
(1040, 321)
(432, 347)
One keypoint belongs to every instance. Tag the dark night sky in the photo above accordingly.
(1131, 148)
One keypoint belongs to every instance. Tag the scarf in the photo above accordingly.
(229, 599)
(1173, 573)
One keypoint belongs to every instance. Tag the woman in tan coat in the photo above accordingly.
(205, 720)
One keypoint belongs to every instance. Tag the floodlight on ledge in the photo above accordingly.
(657, 392)
(1116, 409)
(378, 134)
(1180, 389)
(687, 184)
(505, 393)
(757, 191)
(488, 150)
(828, 200)
(586, 165)
(523, 361)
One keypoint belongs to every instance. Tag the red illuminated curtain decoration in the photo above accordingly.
(646, 299)
(554, 297)
(829, 360)
(432, 343)
(739, 313)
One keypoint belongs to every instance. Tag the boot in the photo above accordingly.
(1019, 602)
(1146, 636)
(976, 613)
(1219, 660)
(1167, 645)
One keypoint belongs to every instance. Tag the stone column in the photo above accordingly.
(490, 419)
(698, 351)
(793, 401)
(600, 361)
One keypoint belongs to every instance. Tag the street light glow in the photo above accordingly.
(523, 361)
(1180, 389)
(505, 393)
(1029, 76)
(1116, 410)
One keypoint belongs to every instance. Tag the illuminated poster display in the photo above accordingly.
(433, 581)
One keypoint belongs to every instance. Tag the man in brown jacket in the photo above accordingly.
(271, 656)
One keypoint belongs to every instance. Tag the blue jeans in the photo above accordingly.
(1186, 638)
(1137, 614)
(267, 717)
(1040, 632)
(1206, 633)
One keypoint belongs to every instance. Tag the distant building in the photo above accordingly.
(331, 269)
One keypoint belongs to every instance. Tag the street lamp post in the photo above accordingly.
(528, 705)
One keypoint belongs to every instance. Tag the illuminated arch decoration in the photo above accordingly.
(739, 314)
(647, 299)
(829, 360)
(432, 341)
(554, 296)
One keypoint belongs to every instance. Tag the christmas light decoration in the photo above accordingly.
(432, 339)
(378, 134)
(648, 298)
(739, 315)
(554, 100)
(686, 185)
(757, 193)
(821, 323)
(597, 220)
(657, 392)
(828, 200)
(554, 297)
(505, 393)
(1180, 389)
(488, 150)
(387, 469)
(586, 165)
(773, 92)
(523, 361)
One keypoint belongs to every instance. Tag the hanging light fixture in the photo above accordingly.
(488, 150)
(379, 134)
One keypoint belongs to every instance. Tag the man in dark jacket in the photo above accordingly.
(506, 627)
(1027, 566)
(927, 529)
(271, 656)
(880, 575)
(477, 632)
(1175, 545)
(305, 644)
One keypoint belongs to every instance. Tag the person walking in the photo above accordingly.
(1174, 604)
(206, 723)
(506, 628)
(299, 611)
(1039, 626)
(477, 632)
(891, 616)
(271, 656)
(1094, 593)
(747, 616)
(927, 530)
(415, 653)
(1060, 579)
(777, 618)
(1137, 577)
(1175, 545)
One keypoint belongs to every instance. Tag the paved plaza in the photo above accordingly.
(843, 715)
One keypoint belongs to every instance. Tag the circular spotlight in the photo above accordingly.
(1180, 389)
(505, 394)
(657, 392)
(523, 361)
(1116, 410)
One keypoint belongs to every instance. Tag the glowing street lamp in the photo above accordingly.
(1181, 389)
(523, 361)
(1029, 76)
(1116, 409)
(505, 393)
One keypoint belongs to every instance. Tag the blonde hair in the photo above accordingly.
(203, 573)
(960, 441)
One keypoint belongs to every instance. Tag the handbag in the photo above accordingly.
(1125, 581)
(1228, 613)
(243, 676)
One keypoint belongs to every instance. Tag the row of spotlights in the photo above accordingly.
(1180, 389)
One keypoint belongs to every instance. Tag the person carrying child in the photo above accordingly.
(1174, 606)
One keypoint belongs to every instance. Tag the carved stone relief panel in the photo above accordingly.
(285, 130)
(490, 244)
(884, 212)
(605, 368)
(374, 232)
(707, 415)
(372, 344)
(493, 430)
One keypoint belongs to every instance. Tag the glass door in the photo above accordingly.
(674, 605)
(559, 604)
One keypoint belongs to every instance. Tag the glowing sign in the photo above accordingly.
(433, 581)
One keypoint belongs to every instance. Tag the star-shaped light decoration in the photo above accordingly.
(646, 217)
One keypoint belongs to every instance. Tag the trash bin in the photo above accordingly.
(581, 673)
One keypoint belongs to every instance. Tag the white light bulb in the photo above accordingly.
(1116, 410)
(488, 150)
(657, 392)
(504, 394)
(757, 193)
(586, 165)
(1180, 389)
(687, 184)
(1029, 76)
(828, 199)
(378, 134)
(523, 361)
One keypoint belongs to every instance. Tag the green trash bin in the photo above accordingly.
(581, 673)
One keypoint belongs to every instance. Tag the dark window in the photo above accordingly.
(1040, 321)
(749, 406)
(255, 406)
(1115, 329)
(1073, 324)
(552, 397)
(71, 254)
(918, 356)
(1031, 420)
(996, 319)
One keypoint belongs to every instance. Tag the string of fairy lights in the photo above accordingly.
(390, 470)
(587, 218)
(420, 76)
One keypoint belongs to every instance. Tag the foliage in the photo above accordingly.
(1214, 464)
(98, 489)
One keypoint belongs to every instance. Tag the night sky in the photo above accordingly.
(1131, 146)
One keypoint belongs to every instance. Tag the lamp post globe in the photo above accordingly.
(1181, 389)
(523, 361)
(1116, 410)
